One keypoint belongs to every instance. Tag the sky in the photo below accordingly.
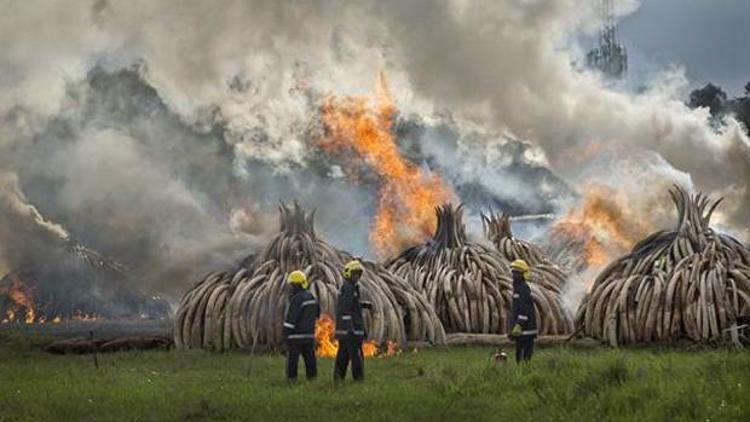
(710, 39)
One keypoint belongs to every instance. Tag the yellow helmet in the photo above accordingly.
(350, 267)
(297, 277)
(522, 266)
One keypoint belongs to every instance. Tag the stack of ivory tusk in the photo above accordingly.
(544, 271)
(469, 284)
(245, 308)
(690, 282)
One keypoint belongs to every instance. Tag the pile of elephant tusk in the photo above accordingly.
(687, 283)
(543, 270)
(245, 308)
(469, 284)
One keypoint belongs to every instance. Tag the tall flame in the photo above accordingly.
(328, 345)
(363, 125)
(325, 328)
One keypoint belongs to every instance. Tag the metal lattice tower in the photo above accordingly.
(609, 57)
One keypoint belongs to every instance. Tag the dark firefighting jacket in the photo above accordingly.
(349, 318)
(523, 311)
(299, 324)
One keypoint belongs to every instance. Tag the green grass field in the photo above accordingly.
(437, 384)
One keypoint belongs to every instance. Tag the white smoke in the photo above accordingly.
(505, 64)
(18, 210)
(250, 73)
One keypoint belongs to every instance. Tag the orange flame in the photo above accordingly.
(10, 316)
(325, 328)
(407, 196)
(79, 315)
(328, 346)
(603, 224)
(23, 308)
(22, 299)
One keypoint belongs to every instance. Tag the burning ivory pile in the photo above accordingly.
(690, 282)
(469, 284)
(246, 308)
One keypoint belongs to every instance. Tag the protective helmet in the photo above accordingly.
(297, 277)
(522, 266)
(350, 267)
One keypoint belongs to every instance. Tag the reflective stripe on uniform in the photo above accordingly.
(355, 332)
(516, 295)
(346, 317)
(309, 302)
(523, 318)
(295, 336)
(528, 332)
(288, 325)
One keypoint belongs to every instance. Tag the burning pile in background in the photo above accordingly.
(73, 287)
(18, 304)
(20, 300)
(23, 301)
(54, 278)
(592, 234)
(407, 194)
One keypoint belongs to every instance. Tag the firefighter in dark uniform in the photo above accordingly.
(350, 327)
(299, 327)
(523, 319)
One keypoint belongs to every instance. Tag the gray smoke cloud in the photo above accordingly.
(23, 224)
(14, 203)
(164, 133)
(505, 64)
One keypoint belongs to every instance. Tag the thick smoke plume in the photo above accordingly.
(164, 133)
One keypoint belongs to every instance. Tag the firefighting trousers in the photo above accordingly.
(350, 348)
(307, 350)
(524, 348)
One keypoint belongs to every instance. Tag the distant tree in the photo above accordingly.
(715, 99)
(740, 107)
(710, 96)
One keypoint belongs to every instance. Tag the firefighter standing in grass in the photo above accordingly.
(299, 327)
(523, 320)
(350, 327)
